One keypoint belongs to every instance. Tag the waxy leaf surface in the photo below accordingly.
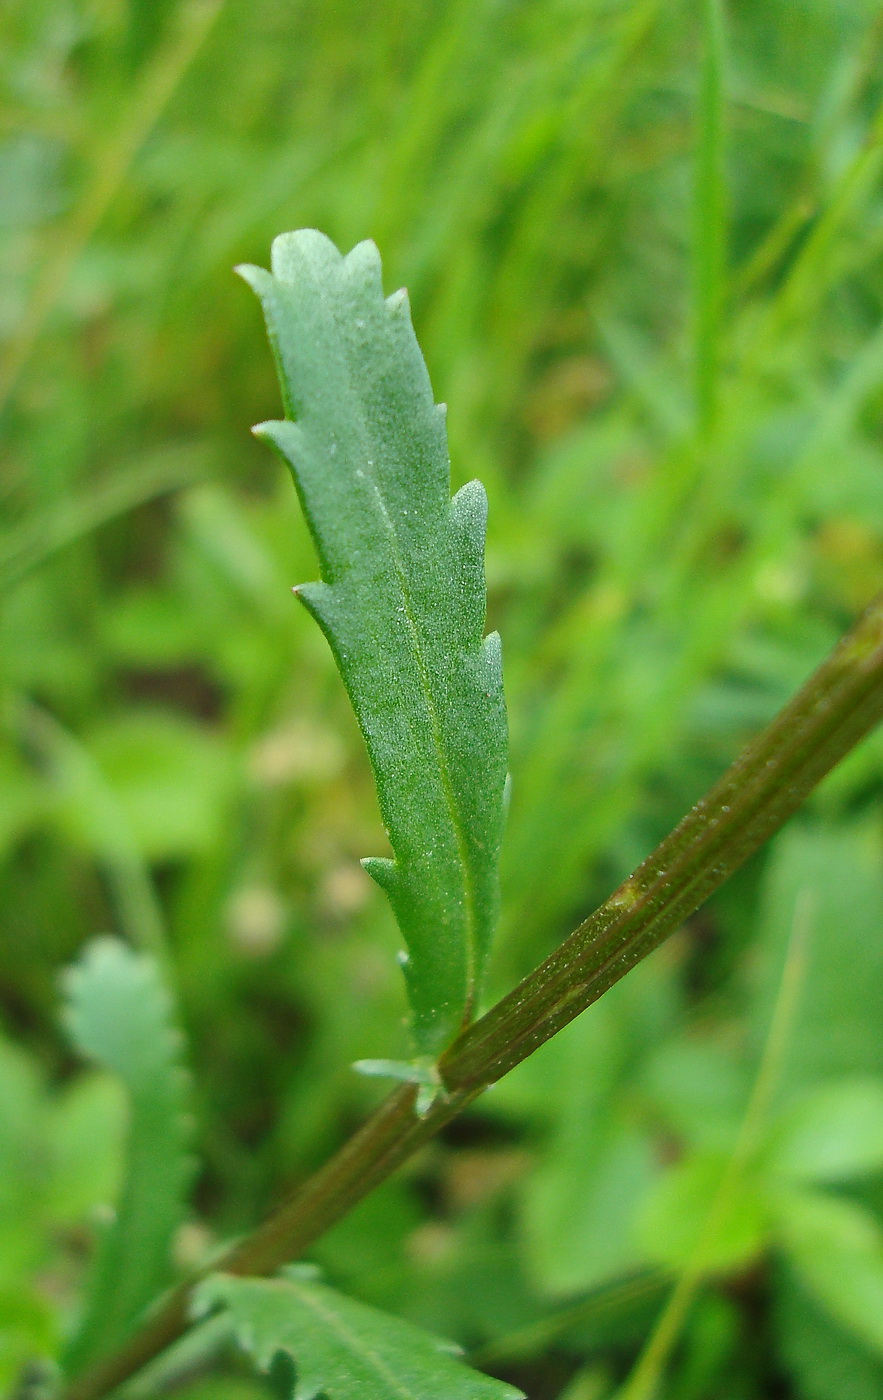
(402, 603)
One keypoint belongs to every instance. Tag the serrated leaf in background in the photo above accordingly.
(86, 1129)
(119, 1014)
(341, 1348)
(402, 603)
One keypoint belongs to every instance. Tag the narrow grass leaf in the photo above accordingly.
(710, 217)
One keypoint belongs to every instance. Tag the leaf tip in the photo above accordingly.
(364, 259)
(292, 247)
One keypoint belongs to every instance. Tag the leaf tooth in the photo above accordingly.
(399, 304)
(317, 598)
(285, 436)
(468, 515)
(383, 872)
(469, 510)
(491, 664)
(258, 278)
(291, 443)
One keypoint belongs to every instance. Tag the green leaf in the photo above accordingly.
(580, 1200)
(341, 1348)
(171, 777)
(832, 1133)
(832, 876)
(823, 1359)
(672, 1223)
(402, 603)
(22, 1159)
(699, 1090)
(580, 1206)
(29, 1332)
(836, 1249)
(119, 1014)
(86, 1130)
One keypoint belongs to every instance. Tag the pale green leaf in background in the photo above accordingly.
(836, 871)
(825, 1359)
(699, 1090)
(579, 1201)
(170, 776)
(341, 1348)
(580, 1207)
(836, 1249)
(119, 1014)
(402, 603)
(831, 1133)
(673, 1217)
(86, 1127)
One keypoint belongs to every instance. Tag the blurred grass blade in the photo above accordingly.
(82, 786)
(402, 603)
(39, 536)
(709, 233)
(146, 106)
(616, 1300)
(815, 266)
(119, 1014)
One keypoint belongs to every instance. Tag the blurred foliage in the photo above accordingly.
(644, 261)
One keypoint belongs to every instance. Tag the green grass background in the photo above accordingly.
(643, 245)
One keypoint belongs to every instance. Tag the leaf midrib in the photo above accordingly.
(435, 725)
(422, 669)
(358, 1346)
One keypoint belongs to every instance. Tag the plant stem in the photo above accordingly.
(836, 708)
